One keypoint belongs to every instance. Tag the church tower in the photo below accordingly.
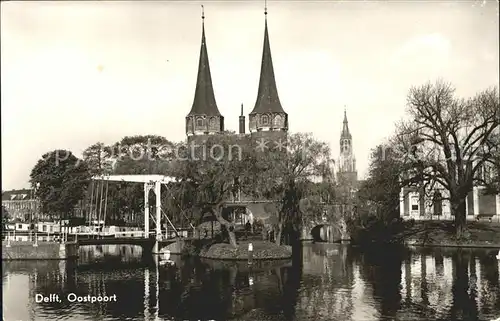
(347, 162)
(267, 120)
(204, 117)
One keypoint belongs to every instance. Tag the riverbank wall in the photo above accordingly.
(18, 251)
(442, 234)
(453, 244)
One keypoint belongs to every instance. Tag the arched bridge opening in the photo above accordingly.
(330, 233)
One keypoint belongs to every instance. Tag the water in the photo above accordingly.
(335, 283)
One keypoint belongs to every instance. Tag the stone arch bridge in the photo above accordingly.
(326, 231)
(331, 228)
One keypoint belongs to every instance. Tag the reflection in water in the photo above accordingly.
(335, 282)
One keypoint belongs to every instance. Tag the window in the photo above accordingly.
(265, 120)
(277, 121)
(44, 228)
(414, 203)
(20, 226)
(212, 122)
(199, 122)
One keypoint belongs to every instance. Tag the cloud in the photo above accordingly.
(423, 49)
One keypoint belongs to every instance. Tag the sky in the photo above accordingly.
(75, 73)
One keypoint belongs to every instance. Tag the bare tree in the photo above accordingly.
(447, 141)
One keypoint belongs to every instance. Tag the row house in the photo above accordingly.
(20, 204)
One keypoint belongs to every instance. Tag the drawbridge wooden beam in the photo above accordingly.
(136, 178)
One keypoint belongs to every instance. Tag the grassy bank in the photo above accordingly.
(435, 233)
(262, 250)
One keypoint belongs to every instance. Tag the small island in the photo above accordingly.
(262, 250)
(220, 249)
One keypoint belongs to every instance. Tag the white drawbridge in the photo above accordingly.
(151, 182)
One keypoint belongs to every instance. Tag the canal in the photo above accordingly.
(335, 282)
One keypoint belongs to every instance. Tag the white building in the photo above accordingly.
(419, 205)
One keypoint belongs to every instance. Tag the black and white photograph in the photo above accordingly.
(280, 160)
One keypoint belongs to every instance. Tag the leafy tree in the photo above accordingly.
(148, 154)
(447, 141)
(285, 176)
(207, 172)
(380, 191)
(377, 202)
(61, 179)
(5, 217)
(145, 154)
(98, 159)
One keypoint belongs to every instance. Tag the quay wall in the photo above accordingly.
(44, 251)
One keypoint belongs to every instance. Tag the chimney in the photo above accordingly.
(242, 121)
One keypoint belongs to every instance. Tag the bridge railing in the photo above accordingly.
(183, 233)
(31, 236)
(35, 237)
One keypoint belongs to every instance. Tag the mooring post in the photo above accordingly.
(250, 253)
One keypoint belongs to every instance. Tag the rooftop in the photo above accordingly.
(17, 195)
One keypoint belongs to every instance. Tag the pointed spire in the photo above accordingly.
(345, 128)
(242, 121)
(204, 98)
(267, 95)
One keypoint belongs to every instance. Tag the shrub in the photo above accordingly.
(369, 229)
(195, 247)
(258, 226)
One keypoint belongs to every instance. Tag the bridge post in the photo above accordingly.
(146, 210)
(156, 248)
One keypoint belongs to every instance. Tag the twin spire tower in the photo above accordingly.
(267, 117)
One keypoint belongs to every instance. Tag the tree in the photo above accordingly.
(147, 154)
(142, 154)
(447, 140)
(5, 217)
(98, 159)
(380, 191)
(285, 176)
(207, 172)
(493, 184)
(324, 190)
(61, 179)
(377, 202)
